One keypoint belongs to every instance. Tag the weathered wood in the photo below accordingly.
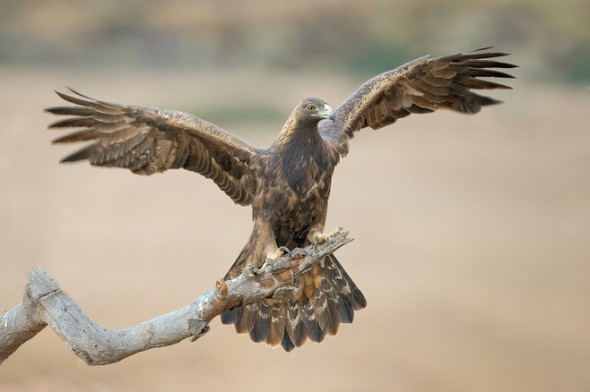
(44, 303)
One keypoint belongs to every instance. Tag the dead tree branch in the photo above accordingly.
(44, 303)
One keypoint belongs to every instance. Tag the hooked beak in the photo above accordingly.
(327, 113)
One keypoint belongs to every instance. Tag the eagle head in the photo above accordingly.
(313, 110)
(304, 119)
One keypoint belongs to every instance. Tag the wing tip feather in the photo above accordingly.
(79, 155)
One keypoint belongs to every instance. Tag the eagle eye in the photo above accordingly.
(311, 107)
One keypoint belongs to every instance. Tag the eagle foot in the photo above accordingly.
(273, 257)
(322, 238)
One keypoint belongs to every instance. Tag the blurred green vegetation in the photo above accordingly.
(551, 39)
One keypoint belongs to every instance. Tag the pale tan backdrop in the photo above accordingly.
(472, 237)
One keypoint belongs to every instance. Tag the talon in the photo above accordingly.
(319, 240)
(322, 238)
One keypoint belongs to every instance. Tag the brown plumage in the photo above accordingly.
(287, 184)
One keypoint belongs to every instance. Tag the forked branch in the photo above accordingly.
(44, 303)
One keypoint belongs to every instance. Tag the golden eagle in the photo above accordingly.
(287, 184)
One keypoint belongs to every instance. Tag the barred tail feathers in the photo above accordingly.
(332, 300)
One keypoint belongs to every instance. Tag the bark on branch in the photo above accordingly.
(44, 303)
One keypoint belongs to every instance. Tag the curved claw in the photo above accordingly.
(316, 242)
(284, 249)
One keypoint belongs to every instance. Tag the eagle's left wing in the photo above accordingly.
(420, 86)
(148, 141)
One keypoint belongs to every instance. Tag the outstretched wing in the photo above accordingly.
(148, 141)
(420, 86)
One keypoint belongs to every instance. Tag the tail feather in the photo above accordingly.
(345, 310)
(231, 316)
(312, 327)
(325, 308)
(260, 311)
(278, 321)
(347, 286)
(287, 344)
(290, 323)
(245, 319)
(295, 326)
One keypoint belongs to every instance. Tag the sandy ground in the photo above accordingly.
(472, 243)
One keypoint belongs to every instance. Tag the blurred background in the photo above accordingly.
(472, 232)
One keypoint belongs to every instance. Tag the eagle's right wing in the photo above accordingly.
(148, 141)
(420, 86)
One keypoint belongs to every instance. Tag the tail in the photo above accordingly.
(326, 297)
